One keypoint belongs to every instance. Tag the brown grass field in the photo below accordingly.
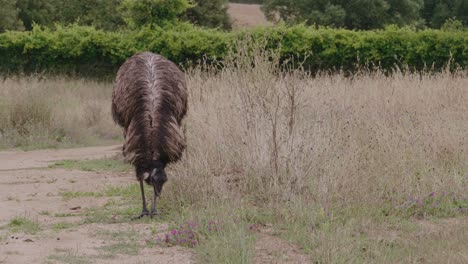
(288, 167)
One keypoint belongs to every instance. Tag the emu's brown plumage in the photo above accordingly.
(149, 101)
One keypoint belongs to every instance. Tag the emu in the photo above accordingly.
(149, 101)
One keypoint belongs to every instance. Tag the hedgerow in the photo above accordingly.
(86, 51)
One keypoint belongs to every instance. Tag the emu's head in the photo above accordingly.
(158, 173)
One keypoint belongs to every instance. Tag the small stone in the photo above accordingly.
(58, 238)
(28, 240)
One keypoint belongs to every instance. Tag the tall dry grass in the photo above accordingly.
(38, 113)
(335, 163)
(339, 165)
(332, 139)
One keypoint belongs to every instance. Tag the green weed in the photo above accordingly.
(23, 224)
(62, 226)
(69, 256)
(112, 165)
(124, 242)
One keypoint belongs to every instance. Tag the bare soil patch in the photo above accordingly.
(247, 15)
(18, 160)
(29, 189)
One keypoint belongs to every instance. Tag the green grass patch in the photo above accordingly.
(73, 195)
(62, 226)
(124, 248)
(366, 234)
(106, 164)
(68, 256)
(126, 205)
(126, 243)
(234, 243)
(439, 205)
(131, 191)
(23, 224)
(218, 232)
(114, 211)
(65, 214)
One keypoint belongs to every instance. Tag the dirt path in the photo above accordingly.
(17, 160)
(31, 190)
(247, 15)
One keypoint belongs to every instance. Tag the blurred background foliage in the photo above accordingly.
(113, 15)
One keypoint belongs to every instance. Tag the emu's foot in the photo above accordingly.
(154, 213)
(143, 214)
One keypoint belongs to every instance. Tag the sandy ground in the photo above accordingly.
(247, 15)
(28, 188)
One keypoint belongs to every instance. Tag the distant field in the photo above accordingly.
(247, 15)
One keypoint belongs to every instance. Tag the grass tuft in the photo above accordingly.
(62, 226)
(123, 242)
(112, 165)
(69, 256)
(25, 225)
(217, 232)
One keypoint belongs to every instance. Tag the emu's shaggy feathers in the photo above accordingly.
(149, 101)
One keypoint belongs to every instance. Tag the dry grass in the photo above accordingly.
(335, 163)
(330, 139)
(342, 166)
(38, 113)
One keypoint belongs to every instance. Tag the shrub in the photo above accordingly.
(87, 51)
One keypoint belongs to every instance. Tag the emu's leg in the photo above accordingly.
(154, 210)
(157, 186)
(144, 212)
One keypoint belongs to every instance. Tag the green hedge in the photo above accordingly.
(86, 51)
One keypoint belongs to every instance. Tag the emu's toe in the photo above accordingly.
(154, 213)
(143, 214)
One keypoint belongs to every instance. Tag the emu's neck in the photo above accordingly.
(158, 164)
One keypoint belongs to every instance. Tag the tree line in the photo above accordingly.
(368, 14)
(112, 15)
